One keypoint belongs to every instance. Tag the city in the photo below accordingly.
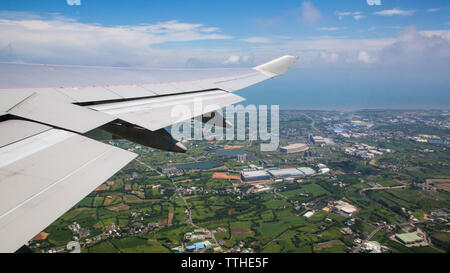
(373, 181)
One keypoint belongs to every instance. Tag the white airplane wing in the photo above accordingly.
(47, 161)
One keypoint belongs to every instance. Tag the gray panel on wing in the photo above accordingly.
(130, 91)
(159, 112)
(52, 92)
(89, 93)
(43, 176)
(16, 130)
(237, 83)
(162, 88)
(10, 98)
(58, 113)
(190, 86)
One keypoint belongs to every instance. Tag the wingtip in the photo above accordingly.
(277, 66)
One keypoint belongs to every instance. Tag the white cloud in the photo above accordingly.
(331, 57)
(309, 13)
(257, 40)
(444, 34)
(433, 10)
(395, 11)
(418, 48)
(62, 40)
(357, 15)
(331, 28)
(364, 57)
(374, 2)
(235, 59)
(210, 29)
(411, 46)
(167, 44)
(73, 2)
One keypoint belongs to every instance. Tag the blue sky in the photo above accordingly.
(352, 54)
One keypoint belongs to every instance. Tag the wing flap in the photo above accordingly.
(131, 91)
(162, 88)
(43, 176)
(16, 130)
(45, 109)
(89, 93)
(159, 112)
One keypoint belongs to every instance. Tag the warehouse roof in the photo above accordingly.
(286, 172)
(294, 146)
(408, 238)
(254, 173)
(306, 170)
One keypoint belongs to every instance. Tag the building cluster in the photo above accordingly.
(198, 234)
(199, 241)
(260, 174)
(441, 216)
(78, 231)
(205, 191)
(240, 248)
(366, 151)
(199, 246)
(344, 208)
(373, 247)
(259, 188)
(170, 169)
(320, 140)
(431, 139)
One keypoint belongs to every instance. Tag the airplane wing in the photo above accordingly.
(48, 162)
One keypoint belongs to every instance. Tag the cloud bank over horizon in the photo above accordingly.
(63, 40)
(340, 46)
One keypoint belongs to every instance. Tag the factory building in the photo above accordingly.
(291, 172)
(345, 207)
(250, 176)
(318, 140)
(408, 238)
(294, 148)
(306, 171)
(321, 141)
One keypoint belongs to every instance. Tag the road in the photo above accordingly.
(357, 249)
(148, 166)
(190, 221)
(362, 193)
(182, 197)
(384, 188)
(280, 195)
(313, 122)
